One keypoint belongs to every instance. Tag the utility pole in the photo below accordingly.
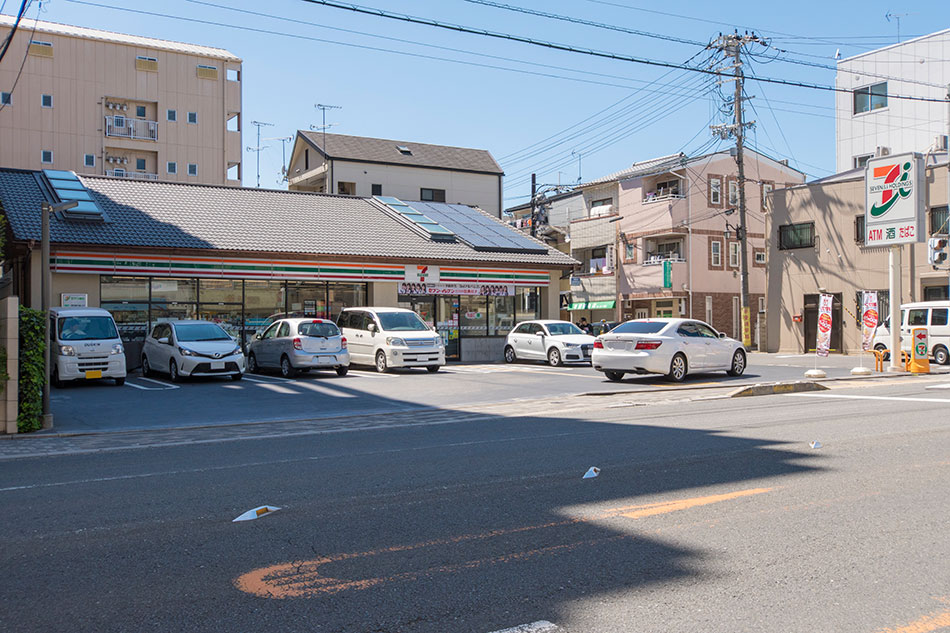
(259, 148)
(322, 107)
(534, 203)
(283, 153)
(732, 45)
(46, 299)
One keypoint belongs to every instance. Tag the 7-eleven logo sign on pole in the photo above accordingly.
(894, 200)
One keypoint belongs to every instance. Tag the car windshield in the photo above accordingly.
(86, 328)
(318, 328)
(401, 322)
(639, 327)
(195, 332)
(562, 329)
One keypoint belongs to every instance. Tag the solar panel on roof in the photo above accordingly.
(417, 219)
(476, 229)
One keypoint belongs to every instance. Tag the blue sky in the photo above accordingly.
(534, 109)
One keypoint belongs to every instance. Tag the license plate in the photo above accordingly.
(324, 360)
(217, 364)
(94, 373)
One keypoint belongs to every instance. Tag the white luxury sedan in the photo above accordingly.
(674, 347)
(557, 342)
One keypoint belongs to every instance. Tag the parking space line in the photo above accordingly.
(135, 386)
(849, 397)
(166, 385)
(279, 388)
(257, 379)
(324, 389)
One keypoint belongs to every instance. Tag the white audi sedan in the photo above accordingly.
(674, 347)
(557, 342)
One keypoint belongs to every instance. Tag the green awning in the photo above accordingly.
(601, 305)
(578, 306)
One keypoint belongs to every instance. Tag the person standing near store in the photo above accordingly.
(584, 325)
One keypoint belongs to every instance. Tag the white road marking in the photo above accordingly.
(167, 385)
(279, 389)
(135, 386)
(324, 389)
(889, 398)
(263, 382)
(541, 626)
(943, 386)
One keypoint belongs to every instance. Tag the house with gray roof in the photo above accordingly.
(152, 251)
(363, 166)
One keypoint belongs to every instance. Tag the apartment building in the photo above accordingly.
(102, 103)
(871, 122)
(363, 166)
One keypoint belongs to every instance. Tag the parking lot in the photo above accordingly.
(156, 402)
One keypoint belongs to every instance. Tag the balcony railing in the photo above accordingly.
(134, 175)
(660, 196)
(124, 127)
(655, 259)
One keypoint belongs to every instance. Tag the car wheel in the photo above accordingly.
(881, 348)
(432, 368)
(941, 356)
(510, 355)
(236, 377)
(738, 363)
(146, 368)
(55, 381)
(120, 381)
(554, 357)
(252, 366)
(341, 371)
(286, 367)
(678, 368)
(381, 365)
(614, 376)
(173, 372)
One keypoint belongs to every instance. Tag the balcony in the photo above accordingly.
(132, 175)
(123, 127)
(655, 196)
(647, 279)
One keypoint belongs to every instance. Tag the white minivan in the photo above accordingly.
(85, 346)
(391, 337)
(933, 315)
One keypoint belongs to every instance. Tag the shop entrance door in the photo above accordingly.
(447, 311)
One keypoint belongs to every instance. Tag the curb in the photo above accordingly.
(769, 389)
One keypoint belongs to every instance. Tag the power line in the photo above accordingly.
(572, 49)
(26, 54)
(16, 24)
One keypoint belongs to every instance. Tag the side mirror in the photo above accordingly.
(257, 336)
(722, 335)
(371, 327)
(164, 340)
(541, 334)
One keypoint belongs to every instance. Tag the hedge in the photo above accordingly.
(32, 348)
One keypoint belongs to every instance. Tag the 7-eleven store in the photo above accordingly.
(473, 308)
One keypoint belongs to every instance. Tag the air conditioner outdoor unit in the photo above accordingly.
(940, 143)
(880, 150)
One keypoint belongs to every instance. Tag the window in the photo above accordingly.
(346, 188)
(938, 316)
(118, 172)
(46, 101)
(715, 191)
(715, 254)
(6, 98)
(171, 167)
(432, 195)
(938, 220)
(192, 169)
(46, 157)
(140, 111)
(602, 202)
(405, 151)
(861, 161)
(709, 309)
(800, 235)
(306, 160)
(598, 260)
(89, 160)
(629, 251)
(601, 207)
(859, 229)
(870, 98)
(118, 122)
(140, 164)
(171, 115)
(667, 188)
(733, 192)
(233, 74)
(377, 190)
(760, 257)
(193, 118)
(733, 254)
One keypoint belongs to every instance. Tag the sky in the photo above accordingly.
(563, 115)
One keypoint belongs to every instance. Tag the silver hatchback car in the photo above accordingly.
(294, 345)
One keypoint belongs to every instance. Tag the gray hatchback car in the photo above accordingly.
(294, 345)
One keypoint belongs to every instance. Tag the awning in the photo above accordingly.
(578, 306)
(601, 305)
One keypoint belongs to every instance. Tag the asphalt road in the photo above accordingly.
(708, 515)
(156, 403)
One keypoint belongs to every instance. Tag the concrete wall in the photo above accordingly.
(9, 339)
(83, 74)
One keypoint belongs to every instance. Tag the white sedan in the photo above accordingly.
(673, 347)
(557, 342)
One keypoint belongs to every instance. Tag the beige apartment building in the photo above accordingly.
(102, 103)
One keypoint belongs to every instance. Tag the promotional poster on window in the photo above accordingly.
(869, 319)
(824, 325)
(471, 290)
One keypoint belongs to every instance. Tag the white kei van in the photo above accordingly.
(391, 337)
(933, 315)
(85, 346)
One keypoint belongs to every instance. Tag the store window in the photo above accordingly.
(264, 301)
(175, 290)
(501, 315)
(227, 315)
(526, 304)
(473, 316)
(345, 296)
(307, 299)
(127, 299)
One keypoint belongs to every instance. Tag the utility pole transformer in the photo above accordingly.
(732, 45)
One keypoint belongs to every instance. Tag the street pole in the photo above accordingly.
(46, 300)
(743, 249)
(894, 270)
(534, 193)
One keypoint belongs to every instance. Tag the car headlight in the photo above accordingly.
(439, 342)
(572, 345)
(185, 351)
(117, 348)
(67, 350)
(236, 350)
(395, 341)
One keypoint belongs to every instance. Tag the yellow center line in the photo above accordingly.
(302, 578)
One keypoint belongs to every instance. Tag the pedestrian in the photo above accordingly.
(585, 326)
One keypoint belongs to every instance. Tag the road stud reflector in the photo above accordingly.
(255, 513)
(592, 472)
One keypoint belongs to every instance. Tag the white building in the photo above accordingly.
(869, 122)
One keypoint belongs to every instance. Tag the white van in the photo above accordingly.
(391, 337)
(85, 346)
(933, 315)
